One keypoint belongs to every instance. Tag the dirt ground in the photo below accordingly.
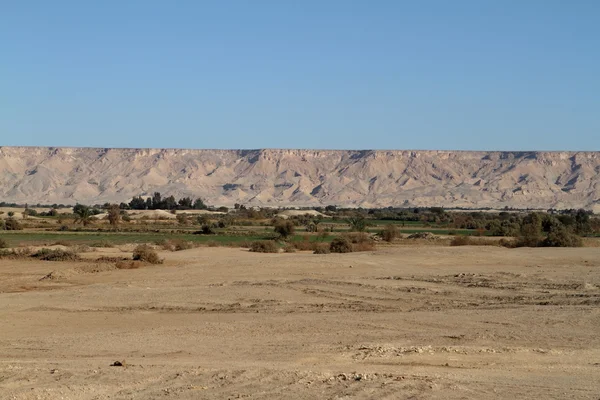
(412, 322)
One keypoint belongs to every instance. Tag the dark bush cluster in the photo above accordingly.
(284, 228)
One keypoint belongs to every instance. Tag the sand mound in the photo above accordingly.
(296, 213)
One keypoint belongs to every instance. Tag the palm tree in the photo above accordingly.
(357, 223)
(83, 214)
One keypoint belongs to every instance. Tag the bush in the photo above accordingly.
(562, 237)
(55, 255)
(389, 233)
(304, 244)
(205, 230)
(284, 228)
(469, 241)
(212, 243)
(461, 241)
(288, 248)
(128, 264)
(182, 219)
(264, 246)
(12, 224)
(145, 253)
(340, 245)
(357, 223)
(3, 244)
(322, 248)
(357, 237)
(15, 253)
(102, 243)
(363, 246)
(178, 245)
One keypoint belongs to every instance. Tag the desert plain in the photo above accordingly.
(401, 322)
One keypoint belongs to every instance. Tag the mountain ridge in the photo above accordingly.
(304, 177)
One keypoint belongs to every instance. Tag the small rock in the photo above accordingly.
(117, 364)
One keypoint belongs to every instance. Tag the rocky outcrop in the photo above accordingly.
(304, 177)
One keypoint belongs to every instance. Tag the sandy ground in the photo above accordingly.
(214, 323)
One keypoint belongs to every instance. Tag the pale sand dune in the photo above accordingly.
(214, 323)
(304, 177)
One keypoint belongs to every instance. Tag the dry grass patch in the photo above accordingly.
(470, 241)
(13, 254)
(55, 255)
(107, 259)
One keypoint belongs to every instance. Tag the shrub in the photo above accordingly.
(62, 243)
(288, 248)
(102, 243)
(389, 233)
(508, 243)
(12, 224)
(357, 237)
(363, 246)
(205, 230)
(179, 244)
(55, 255)
(212, 243)
(284, 228)
(182, 219)
(264, 246)
(145, 253)
(469, 241)
(15, 253)
(322, 235)
(340, 245)
(3, 244)
(114, 215)
(461, 241)
(128, 264)
(562, 237)
(109, 259)
(321, 248)
(304, 244)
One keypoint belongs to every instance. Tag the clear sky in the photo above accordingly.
(464, 75)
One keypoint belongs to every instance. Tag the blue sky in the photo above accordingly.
(464, 75)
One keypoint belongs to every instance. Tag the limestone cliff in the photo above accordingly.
(303, 177)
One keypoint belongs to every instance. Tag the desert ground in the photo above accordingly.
(401, 322)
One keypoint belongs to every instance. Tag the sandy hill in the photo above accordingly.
(303, 177)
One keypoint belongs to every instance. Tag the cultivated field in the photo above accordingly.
(410, 321)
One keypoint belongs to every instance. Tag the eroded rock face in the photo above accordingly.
(303, 177)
